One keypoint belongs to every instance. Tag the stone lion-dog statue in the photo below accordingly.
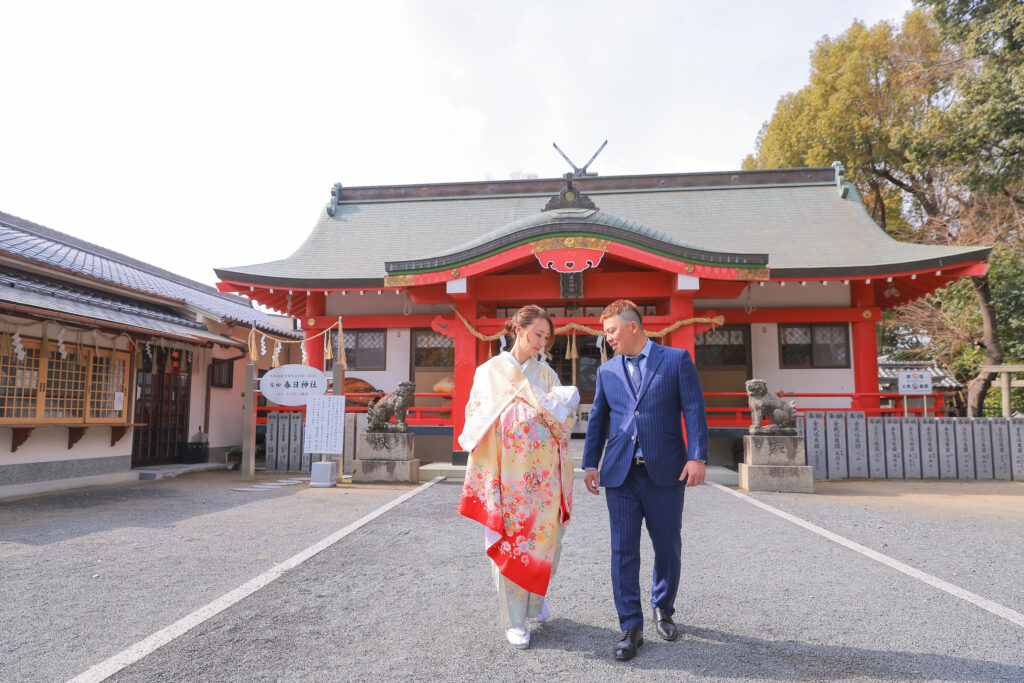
(767, 405)
(380, 410)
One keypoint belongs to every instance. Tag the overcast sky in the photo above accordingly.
(195, 135)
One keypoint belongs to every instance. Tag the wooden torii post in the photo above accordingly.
(1006, 382)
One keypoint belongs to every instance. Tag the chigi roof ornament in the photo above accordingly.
(570, 197)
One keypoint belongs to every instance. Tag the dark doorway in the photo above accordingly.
(163, 385)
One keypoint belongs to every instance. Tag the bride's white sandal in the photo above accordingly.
(542, 616)
(518, 637)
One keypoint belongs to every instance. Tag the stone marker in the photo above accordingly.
(982, 431)
(350, 443)
(801, 428)
(1017, 448)
(815, 443)
(946, 446)
(835, 427)
(386, 457)
(775, 463)
(1001, 448)
(283, 442)
(856, 444)
(876, 448)
(295, 442)
(893, 448)
(270, 443)
(911, 448)
(929, 448)
(964, 449)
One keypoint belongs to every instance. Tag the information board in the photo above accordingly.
(325, 425)
(915, 383)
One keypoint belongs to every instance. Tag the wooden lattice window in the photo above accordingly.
(50, 387)
(19, 383)
(814, 346)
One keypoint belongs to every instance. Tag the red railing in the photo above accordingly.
(417, 415)
(739, 416)
(718, 416)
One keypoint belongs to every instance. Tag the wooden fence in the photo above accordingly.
(849, 445)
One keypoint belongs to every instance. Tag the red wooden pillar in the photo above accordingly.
(680, 307)
(465, 365)
(865, 346)
(316, 305)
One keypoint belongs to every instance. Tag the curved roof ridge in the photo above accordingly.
(533, 226)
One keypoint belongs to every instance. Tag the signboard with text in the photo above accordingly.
(325, 425)
(293, 385)
(915, 383)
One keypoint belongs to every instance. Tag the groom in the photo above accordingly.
(641, 394)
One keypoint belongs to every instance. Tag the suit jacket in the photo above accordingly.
(669, 389)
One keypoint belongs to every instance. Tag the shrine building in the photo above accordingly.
(777, 274)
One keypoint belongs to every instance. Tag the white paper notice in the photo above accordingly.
(118, 400)
(325, 425)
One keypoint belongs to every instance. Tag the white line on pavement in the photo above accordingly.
(129, 656)
(973, 598)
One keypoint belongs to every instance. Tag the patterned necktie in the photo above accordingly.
(635, 375)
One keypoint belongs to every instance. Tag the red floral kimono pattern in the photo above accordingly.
(519, 478)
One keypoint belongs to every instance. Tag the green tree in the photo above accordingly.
(883, 100)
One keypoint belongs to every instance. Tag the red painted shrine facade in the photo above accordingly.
(779, 274)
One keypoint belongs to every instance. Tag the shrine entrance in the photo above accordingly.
(163, 385)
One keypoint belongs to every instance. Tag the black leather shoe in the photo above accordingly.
(632, 639)
(666, 627)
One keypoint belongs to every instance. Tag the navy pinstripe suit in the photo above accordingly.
(620, 418)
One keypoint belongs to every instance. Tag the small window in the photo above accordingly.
(222, 374)
(364, 349)
(814, 346)
(432, 350)
(721, 346)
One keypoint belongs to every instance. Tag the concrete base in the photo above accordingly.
(386, 471)
(386, 446)
(324, 475)
(35, 488)
(774, 450)
(780, 478)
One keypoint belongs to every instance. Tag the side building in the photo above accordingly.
(779, 274)
(109, 364)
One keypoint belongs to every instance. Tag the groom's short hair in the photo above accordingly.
(625, 309)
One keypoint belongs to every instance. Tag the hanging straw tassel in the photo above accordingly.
(328, 346)
(253, 352)
(341, 346)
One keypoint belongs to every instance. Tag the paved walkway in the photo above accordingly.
(408, 597)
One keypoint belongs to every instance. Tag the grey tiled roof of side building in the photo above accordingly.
(807, 227)
(46, 246)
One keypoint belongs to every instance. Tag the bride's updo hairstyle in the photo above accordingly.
(525, 317)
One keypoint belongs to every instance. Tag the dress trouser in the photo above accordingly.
(515, 603)
(639, 499)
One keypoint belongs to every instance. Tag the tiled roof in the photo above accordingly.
(798, 218)
(42, 245)
(48, 295)
(888, 373)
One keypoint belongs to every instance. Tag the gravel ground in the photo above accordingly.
(970, 534)
(85, 574)
(408, 598)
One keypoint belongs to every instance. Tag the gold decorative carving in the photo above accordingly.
(398, 280)
(553, 243)
(753, 274)
(311, 322)
(866, 313)
(455, 272)
(690, 268)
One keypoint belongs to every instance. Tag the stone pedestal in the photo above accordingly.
(775, 463)
(386, 457)
(324, 474)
